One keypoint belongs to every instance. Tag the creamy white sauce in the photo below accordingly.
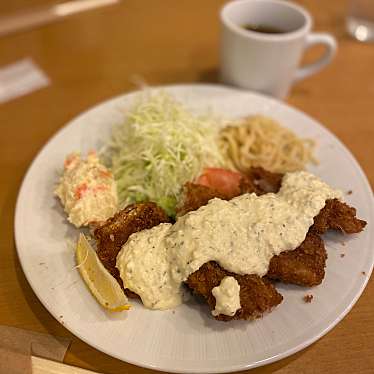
(227, 296)
(144, 266)
(242, 235)
(87, 190)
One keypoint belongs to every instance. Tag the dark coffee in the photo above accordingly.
(264, 29)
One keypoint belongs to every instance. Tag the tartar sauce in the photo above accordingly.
(227, 296)
(87, 190)
(242, 235)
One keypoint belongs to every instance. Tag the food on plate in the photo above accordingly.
(241, 234)
(87, 190)
(195, 195)
(261, 141)
(158, 148)
(102, 285)
(216, 183)
(196, 209)
(116, 230)
(303, 265)
(257, 295)
(337, 215)
(227, 295)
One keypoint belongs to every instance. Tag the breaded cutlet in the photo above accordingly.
(195, 196)
(336, 215)
(257, 295)
(113, 234)
(339, 216)
(258, 181)
(304, 266)
(265, 181)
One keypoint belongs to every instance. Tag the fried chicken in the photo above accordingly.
(111, 236)
(195, 196)
(258, 181)
(265, 181)
(257, 295)
(304, 266)
(337, 215)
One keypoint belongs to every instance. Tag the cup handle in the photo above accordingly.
(312, 39)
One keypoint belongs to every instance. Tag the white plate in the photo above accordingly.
(188, 339)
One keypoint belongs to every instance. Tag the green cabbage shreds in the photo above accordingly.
(158, 148)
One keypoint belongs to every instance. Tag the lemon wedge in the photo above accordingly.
(99, 281)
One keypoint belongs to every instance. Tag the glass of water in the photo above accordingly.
(360, 20)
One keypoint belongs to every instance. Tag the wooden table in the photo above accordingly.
(96, 55)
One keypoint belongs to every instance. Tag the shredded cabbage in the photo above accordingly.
(158, 148)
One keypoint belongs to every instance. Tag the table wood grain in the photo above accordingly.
(99, 54)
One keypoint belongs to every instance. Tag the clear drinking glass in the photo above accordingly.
(360, 20)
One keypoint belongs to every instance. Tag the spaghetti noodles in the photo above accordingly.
(261, 141)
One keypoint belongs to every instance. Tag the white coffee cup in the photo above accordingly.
(263, 62)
